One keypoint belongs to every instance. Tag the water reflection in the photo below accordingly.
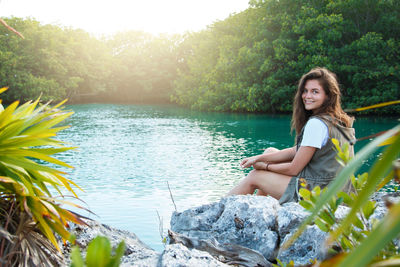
(128, 153)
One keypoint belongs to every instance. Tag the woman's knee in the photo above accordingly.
(270, 150)
(253, 178)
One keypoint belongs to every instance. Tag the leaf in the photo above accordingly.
(3, 89)
(358, 223)
(27, 164)
(374, 106)
(346, 198)
(98, 252)
(119, 252)
(339, 201)
(76, 258)
(387, 179)
(6, 115)
(59, 228)
(51, 151)
(346, 244)
(389, 141)
(369, 209)
(306, 204)
(68, 215)
(327, 217)
(317, 190)
(43, 226)
(47, 124)
(333, 261)
(305, 193)
(387, 263)
(34, 154)
(321, 225)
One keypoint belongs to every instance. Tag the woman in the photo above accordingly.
(317, 118)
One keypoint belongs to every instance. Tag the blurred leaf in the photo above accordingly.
(305, 194)
(3, 89)
(76, 258)
(327, 217)
(98, 252)
(119, 252)
(374, 106)
(321, 225)
(369, 209)
(388, 141)
(387, 263)
(306, 204)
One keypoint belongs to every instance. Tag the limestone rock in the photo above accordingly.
(227, 253)
(249, 221)
(289, 217)
(179, 255)
(310, 245)
(136, 254)
(253, 222)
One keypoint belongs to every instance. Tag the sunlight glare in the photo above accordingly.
(105, 17)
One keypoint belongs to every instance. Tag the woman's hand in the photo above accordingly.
(248, 162)
(260, 166)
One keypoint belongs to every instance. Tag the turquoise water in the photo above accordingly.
(128, 154)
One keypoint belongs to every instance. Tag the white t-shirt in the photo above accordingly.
(315, 133)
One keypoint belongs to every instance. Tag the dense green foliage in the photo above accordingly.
(253, 60)
(62, 62)
(52, 61)
(250, 61)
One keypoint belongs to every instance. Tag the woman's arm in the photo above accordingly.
(283, 155)
(300, 160)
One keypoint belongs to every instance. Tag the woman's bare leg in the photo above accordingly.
(267, 183)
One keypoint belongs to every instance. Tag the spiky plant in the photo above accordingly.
(29, 214)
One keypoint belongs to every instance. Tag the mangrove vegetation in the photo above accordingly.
(249, 62)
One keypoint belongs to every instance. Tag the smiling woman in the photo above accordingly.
(317, 117)
(106, 17)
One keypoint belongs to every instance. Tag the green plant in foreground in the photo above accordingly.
(368, 243)
(29, 213)
(98, 254)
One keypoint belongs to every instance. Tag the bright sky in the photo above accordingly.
(106, 17)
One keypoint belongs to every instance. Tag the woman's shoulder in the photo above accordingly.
(317, 121)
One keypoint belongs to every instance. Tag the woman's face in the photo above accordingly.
(313, 95)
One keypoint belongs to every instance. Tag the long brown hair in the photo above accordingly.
(331, 106)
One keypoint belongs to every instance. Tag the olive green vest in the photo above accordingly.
(323, 166)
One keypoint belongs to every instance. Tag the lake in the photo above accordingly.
(129, 155)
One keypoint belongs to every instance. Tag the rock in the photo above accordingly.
(248, 221)
(235, 223)
(289, 217)
(179, 255)
(341, 212)
(136, 253)
(309, 246)
(227, 253)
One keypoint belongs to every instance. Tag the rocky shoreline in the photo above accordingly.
(240, 229)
